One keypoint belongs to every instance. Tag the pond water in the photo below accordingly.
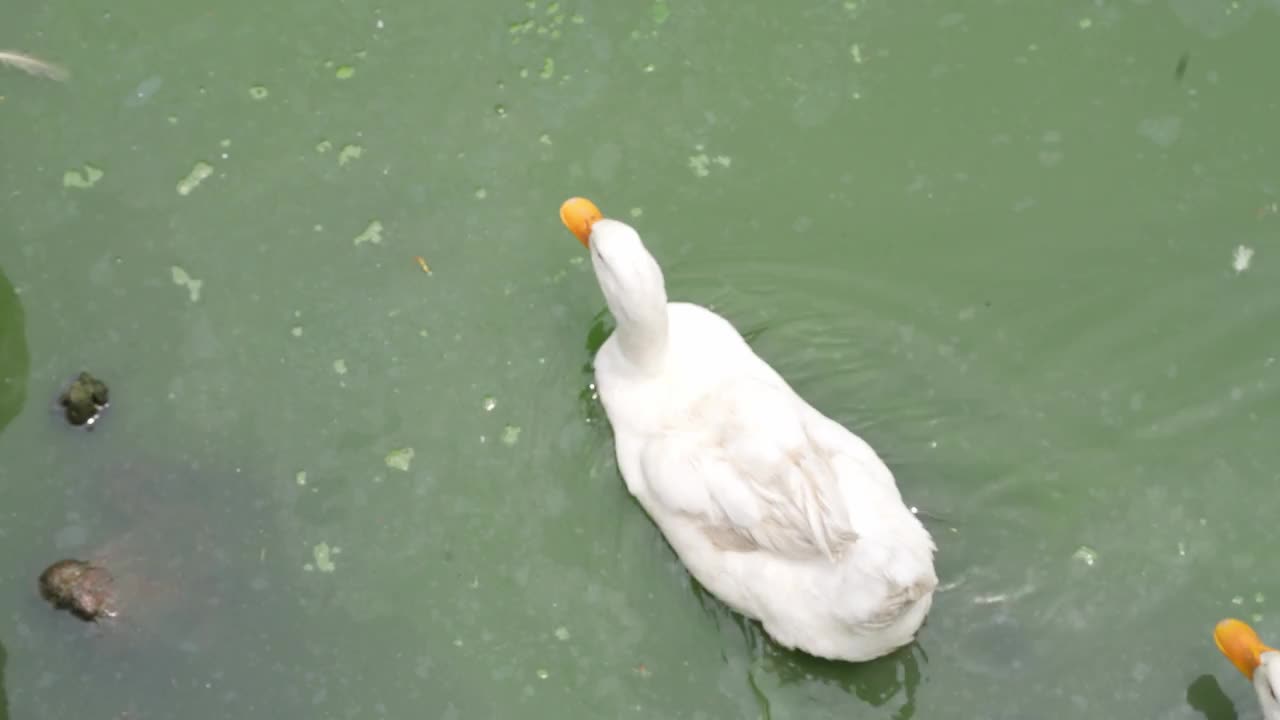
(1028, 250)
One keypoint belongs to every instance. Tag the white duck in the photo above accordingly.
(780, 512)
(1258, 662)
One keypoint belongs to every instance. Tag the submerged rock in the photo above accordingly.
(84, 400)
(84, 589)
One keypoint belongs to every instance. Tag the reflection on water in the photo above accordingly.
(14, 358)
(890, 682)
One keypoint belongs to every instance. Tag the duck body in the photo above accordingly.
(781, 513)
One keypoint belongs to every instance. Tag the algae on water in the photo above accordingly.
(660, 11)
(349, 153)
(400, 459)
(198, 174)
(372, 234)
(511, 435)
(82, 180)
(323, 555)
(181, 277)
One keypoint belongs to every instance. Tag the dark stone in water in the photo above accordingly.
(84, 400)
(86, 590)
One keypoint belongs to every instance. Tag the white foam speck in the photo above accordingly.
(1241, 258)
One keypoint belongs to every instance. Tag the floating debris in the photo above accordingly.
(489, 403)
(1180, 70)
(562, 633)
(33, 66)
(84, 400)
(1241, 258)
(301, 477)
(400, 459)
(340, 366)
(1086, 555)
(372, 234)
(660, 12)
(85, 590)
(198, 174)
(324, 146)
(700, 164)
(481, 193)
(259, 92)
(345, 72)
(323, 555)
(181, 277)
(422, 263)
(76, 179)
(511, 435)
(349, 153)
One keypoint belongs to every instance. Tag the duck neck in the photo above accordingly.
(642, 331)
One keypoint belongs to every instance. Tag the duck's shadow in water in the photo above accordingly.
(1206, 697)
(896, 676)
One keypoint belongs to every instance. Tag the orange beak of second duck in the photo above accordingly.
(1241, 645)
(579, 214)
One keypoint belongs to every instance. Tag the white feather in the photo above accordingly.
(33, 66)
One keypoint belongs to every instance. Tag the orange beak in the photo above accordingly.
(579, 214)
(1241, 645)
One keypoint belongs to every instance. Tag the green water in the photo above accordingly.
(1000, 240)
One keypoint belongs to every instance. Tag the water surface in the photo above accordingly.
(1028, 250)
